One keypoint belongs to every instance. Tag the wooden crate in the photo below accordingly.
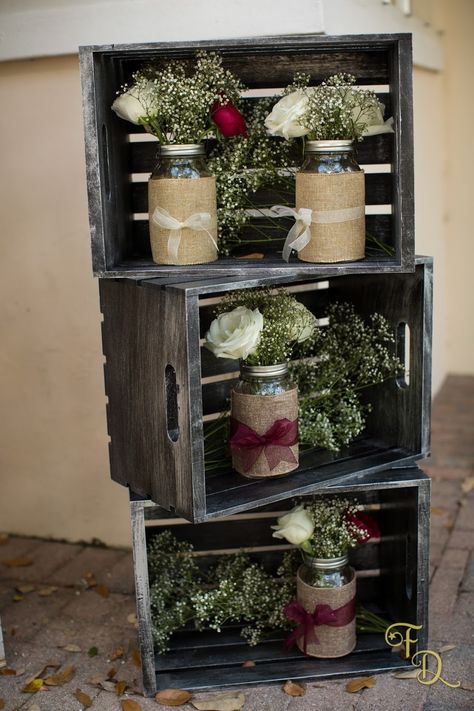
(393, 577)
(120, 156)
(161, 384)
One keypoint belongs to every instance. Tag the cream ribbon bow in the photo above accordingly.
(199, 221)
(300, 234)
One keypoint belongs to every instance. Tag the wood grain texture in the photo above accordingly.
(121, 244)
(397, 589)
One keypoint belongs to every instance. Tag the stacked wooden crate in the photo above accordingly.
(162, 386)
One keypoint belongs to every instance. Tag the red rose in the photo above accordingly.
(228, 119)
(367, 526)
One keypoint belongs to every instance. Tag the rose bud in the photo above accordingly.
(228, 119)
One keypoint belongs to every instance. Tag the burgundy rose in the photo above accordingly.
(367, 526)
(228, 119)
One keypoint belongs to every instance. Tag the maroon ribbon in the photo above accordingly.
(322, 615)
(276, 442)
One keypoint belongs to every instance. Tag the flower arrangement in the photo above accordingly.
(326, 528)
(333, 110)
(260, 327)
(180, 104)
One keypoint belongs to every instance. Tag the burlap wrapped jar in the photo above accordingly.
(182, 207)
(332, 185)
(264, 422)
(336, 637)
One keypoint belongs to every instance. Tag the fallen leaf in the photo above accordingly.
(412, 674)
(93, 652)
(88, 581)
(34, 707)
(172, 697)
(438, 511)
(232, 701)
(130, 705)
(71, 648)
(468, 485)
(61, 677)
(111, 673)
(44, 672)
(46, 592)
(293, 688)
(20, 562)
(252, 255)
(248, 664)
(33, 686)
(2, 704)
(6, 671)
(362, 682)
(83, 698)
(136, 656)
(25, 589)
(117, 654)
(132, 619)
(447, 648)
(96, 680)
(107, 685)
(120, 687)
(102, 590)
(4, 538)
(466, 686)
(17, 598)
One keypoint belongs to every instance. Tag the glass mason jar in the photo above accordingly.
(182, 206)
(326, 572)
(264, 421)
(331, 184)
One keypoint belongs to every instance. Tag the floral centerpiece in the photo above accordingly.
(325, 530)
(262, 328)
(330, 187)
(182, 104)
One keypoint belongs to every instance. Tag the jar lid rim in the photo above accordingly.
(264, 370)
(184, 149)
(336, 145)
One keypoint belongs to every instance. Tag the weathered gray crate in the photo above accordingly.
(116, 150)
(393, 577)
(161, 384)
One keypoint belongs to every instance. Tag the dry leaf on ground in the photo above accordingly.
(34, 707)
(107, 685)
(172, 697)
(46, 592)
(2, 704)
(412, 674)
(88, 581)
(120, 687)
(17, 598)
(117, 654)
(83, 698)
(6, 671)
(25, 589)
(33, 686)
(136, 657)
(362, 682)
(96, 679)
(61, 677)
(447, 648)
(294, 688)
(44, 672)
(468, 484)
(466, 686)
(132, 619)
(20, 562)
(102, 590)
(438, 510)
(130, 705)
(71, 648)
(232, 701)
(111, 673)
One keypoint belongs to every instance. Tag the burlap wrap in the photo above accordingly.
(259, 412)
(333, 641)
(183, 197)
(337, 241)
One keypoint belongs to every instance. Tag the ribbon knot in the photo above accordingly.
(322, 615)
(276, 442)
(300, 234)
(198, 221)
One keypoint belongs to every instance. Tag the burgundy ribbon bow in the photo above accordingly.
(276, 442)
(322, 615)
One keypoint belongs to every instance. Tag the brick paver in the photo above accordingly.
(37, 628)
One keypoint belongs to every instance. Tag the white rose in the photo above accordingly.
(135, 103)
(235, 334)
(296, 526)
(304, 324)
(283, 118)
(374, 120)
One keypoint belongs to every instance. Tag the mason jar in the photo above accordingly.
(332, 185)
(182, 206)
(326, 572)
(264, 421)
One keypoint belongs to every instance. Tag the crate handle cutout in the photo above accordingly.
(172, 425)
(403, 353)
(105, 161)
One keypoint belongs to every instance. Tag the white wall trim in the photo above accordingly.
(38, 28)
